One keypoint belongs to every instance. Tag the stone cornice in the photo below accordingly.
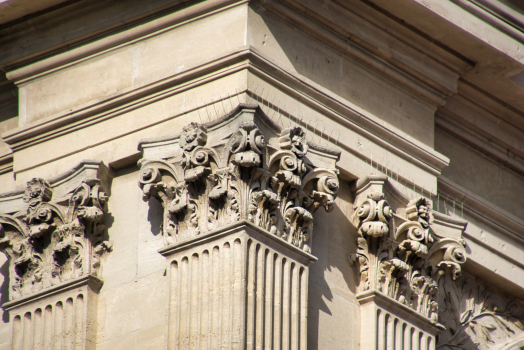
(481, 209)
(497, 15)
(446, 63)
(93, 36)
(68, 56)
(247, 58)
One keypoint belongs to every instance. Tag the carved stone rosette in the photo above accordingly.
(229, 170)
(52, 234)
(239, 195)
(402, 254)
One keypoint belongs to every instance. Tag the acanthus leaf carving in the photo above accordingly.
(242, 174)
(404, 261)
(53, 241)
(477, 316)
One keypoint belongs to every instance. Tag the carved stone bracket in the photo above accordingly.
(239, 167)
(52, 231)
(404, 253)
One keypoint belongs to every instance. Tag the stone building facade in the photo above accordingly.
(262, 174)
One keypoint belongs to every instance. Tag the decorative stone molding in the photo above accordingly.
(239, 195)
(239, 167)
(403, 253)
(52, 234)
(479, 317)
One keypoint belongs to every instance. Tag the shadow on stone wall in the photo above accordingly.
(332, 281)
(4, 288)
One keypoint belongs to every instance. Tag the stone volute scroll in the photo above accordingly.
(403, 249)
(53, 235)
(239, 194)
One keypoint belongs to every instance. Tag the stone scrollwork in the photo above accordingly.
(477, 316)
(54, 240)
(230, 170)
(401, 255)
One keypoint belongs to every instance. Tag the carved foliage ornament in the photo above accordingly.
(52, 242)
(239, 176)
(405, 264)
(478, 317)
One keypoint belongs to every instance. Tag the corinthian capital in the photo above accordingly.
(52, 232)
(402, 253)
(239, 167)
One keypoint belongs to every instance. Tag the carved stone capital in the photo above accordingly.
(52, 231)
(239, 167)
(239, 194)
(404, 253)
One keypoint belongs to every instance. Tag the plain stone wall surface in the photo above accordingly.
(131, 307)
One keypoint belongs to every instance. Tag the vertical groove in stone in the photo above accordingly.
(174, 294)
(398, 334)
(250, 312)
(260, 279)
(405, 337)
(38, 331)
(277, 317)
(48, 328)
(237, 295)
(69, 324)
(59, 324)
(17, 333)
(183, 332)
(268, 309)
(27, 332)
(215, 315)
(378, 330)
(390, 335)
(295, 317)
(204, 302)
(286, 298)
(225, 296)
(79, 322)
(194, 301)
(303, 308)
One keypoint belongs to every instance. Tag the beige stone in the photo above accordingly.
(412, 116)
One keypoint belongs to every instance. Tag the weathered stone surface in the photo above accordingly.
(427, 93)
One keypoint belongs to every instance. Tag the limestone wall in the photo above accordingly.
(390, 92)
